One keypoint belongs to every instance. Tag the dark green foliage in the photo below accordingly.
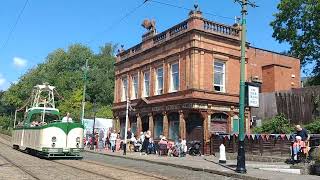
(314, 127)
(298, 24)
(277, 125)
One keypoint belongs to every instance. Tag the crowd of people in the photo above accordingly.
(144, 144)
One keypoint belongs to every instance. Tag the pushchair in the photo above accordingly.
(137, 146)
(194, 149)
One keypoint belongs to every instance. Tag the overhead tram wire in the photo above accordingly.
(188, 9)
(14, 26)
(118, 21)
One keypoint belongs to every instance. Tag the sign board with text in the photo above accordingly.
(252, 94)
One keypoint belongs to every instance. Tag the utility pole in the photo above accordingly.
(127, 120)
(84, 90)
(93, 125)
(241, 164)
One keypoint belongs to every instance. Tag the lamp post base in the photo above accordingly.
(241, 159)
(124, 149)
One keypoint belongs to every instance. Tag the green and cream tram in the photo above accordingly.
(42, 132)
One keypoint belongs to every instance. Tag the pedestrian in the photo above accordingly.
(303, 133)
(129, 136)
(97, 141)
(113, 138)
(146, 141)
(118, 142)
(67, 118)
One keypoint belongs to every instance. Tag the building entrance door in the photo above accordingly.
(235, 124)
(194, 129)
(145, 124)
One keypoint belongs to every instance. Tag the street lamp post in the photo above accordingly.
(84, 90)
(241, 165)
(126, 126)
(93, 126)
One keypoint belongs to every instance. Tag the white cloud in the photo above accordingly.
(19, 62)
(2, 80)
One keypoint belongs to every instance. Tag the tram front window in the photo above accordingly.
(39, 120)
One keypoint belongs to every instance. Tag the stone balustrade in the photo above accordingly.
(221, 28)
(187, 25)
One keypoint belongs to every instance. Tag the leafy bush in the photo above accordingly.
(314, 127)
(5, 122)
(277, 125)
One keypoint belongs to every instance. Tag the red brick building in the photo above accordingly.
(184, 82)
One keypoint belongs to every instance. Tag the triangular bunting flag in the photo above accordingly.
(267, 136)
(253, 136)
(282, 136)
(277, 135)
(257, 136)
(288, 136)
(228, 137)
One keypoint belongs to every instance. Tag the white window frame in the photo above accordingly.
(223, 85)
(158, 90)
(145, 93)
(135, 89)
(124, 83)
(171, 77)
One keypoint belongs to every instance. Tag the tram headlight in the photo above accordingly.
(53, 145)
(77, 145)
(53, 139)
(78, 139)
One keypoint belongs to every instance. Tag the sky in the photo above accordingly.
(48, 25)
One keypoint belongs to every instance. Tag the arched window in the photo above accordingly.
(219, 117)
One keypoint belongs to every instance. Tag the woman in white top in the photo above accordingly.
(113, 138)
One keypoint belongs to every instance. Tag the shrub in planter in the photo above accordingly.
(276, 125)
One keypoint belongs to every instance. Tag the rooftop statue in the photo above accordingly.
(150, 25)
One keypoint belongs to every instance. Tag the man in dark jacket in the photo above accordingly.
(303, 133)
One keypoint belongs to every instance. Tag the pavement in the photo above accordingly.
(255, 170)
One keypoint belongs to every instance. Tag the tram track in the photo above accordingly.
(113, 167)
(102, 171)
(33, 175)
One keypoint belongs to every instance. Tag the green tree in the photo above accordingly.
(298, 23)
(64, 70)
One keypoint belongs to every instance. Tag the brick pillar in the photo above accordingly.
(230, 120)
(165, 125)
(182, 125)
(139, 125)
(151, 123)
